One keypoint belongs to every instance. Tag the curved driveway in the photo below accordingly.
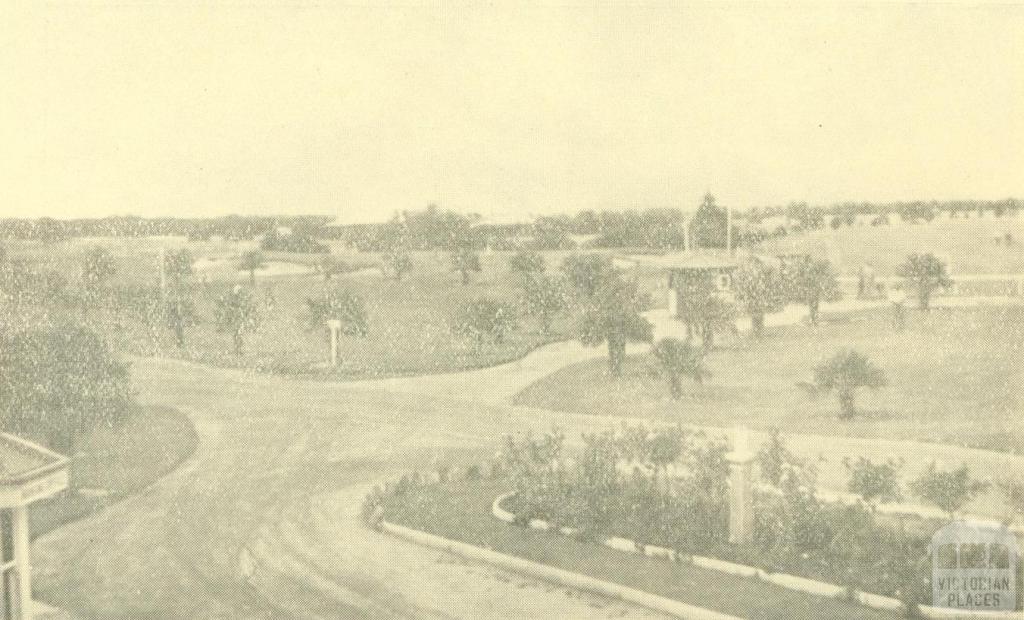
(262, 522)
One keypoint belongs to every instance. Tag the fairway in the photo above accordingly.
(954, 376)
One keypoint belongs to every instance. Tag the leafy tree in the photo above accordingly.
(180, 314)
(338, 305)
(60, 382)
(484, 319)
(237, 312)
(875, 483)
(586, 273)
(714, 315)
(97, 270)
(925, 273)
(526, 263)
(250, 261)
(947, 490)
(613, 316)
(709, 225)
(465, 260)
(399, 262)
(812, 282)
(545, 298)
(178, 266)
(844, 374)
(329, 266)
(760, 290)
(677, 359)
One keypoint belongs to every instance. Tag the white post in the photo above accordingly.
(21, 560)
(334, 325)
(741, 496)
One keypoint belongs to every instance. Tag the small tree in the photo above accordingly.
(715, 315)
(844, 374)
(337, 305)
(178, 266)
(237, 312)
(179, 314)
(677, 359)
(329, 266)
(875, 483)
(760, 290)
(251, 261)
(948, 490)
(613, 316)
(1013, 492)
(484, 319)
(97, 270)
(812, 282)
(465, 260)
(545, 298)
(399, 262)
(527, 264)
(587, 273)
(925, 274)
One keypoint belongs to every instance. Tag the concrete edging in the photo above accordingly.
(556, 575)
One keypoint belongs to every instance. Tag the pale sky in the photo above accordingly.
(176, 108)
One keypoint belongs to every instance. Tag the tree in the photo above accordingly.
(180, 314)
(237, 313)
(844, 374)
(338, 305)
(465, 260)
(812, 282)
(60, 382)
(97, 270)
(947, 490)
(613, 316)
(760, 290)
(329, 266)
(484, 319)
(527, 264)
(875, 483)
(399, 262)
(544, 297)
(250, 261)
(586, 273)
(709, 225)
(925, 273)
(677, 359)
(1013, 493)
(178, 266)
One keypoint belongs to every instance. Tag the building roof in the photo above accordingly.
(22, 460)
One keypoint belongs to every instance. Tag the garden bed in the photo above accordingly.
(461, 510)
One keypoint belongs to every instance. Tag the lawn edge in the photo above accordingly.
(555, 575)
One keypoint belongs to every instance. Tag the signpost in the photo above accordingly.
(335, 326)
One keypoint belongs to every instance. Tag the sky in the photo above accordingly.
(260, 107)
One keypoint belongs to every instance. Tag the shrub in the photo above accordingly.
(948, 490)
(875, 483)
(484, 319)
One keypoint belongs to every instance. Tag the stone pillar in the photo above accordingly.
(21, 561)
(335, 326)
(741, 492)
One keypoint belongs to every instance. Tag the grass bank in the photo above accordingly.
(114, 463)
(953, 378)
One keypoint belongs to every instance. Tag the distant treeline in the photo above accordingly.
(434, 228)
(235, 227)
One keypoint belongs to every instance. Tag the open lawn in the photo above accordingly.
(967, 244)
(462, 511)
(409, 320)
(115, 462)
(954, 376)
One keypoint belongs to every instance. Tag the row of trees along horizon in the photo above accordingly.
(436, 228)
(605, 308)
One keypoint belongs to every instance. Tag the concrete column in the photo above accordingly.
(741, 492)
(21, 560)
